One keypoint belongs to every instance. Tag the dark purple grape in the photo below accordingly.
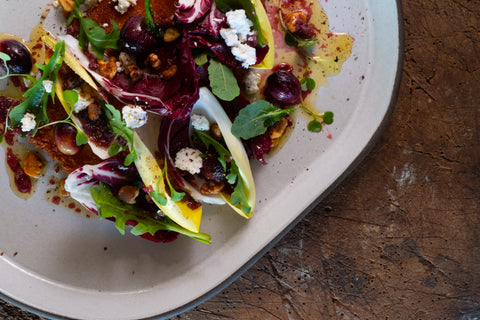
(283, 88)
(135, 38)
(65, 139)
(212, 169)
(20, 57)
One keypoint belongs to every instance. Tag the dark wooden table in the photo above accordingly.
(400, 237)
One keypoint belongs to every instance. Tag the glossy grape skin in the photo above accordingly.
(65, 139)
(135, 38)
(212, 169)
(21, 61)
(283, 88)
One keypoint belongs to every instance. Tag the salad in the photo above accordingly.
(216, 82)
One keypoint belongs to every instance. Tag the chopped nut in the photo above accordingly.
(61, 189)
(128, 194)
(153, 61)
(170, 72)
(215, 131)
(293, 19)
(32, 165)
(108, 70)
(212, 187)
(171, 34)
(134, 72)
(67, 5)
(94, 111)
(278, 129)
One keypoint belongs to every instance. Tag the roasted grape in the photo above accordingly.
(20, 57)
(65, 139)
(135, 38)
(283, 88)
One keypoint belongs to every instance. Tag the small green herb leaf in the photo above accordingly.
(158, 197)
(81, 138)
(223, 82)
(328, 117)
(314, 126)
(307, 84)
(256, 118)
(238, 195)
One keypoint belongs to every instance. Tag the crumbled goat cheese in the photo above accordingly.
(28, 122)
(200, 122)
(123, 5)
(47, 84)
(134, 116)
(245, 54)
(236, 35)
(230, 36)
(124, 59)
(251, 81)
(55, 3)
(84, 100)
(189, 159)
(237, 20)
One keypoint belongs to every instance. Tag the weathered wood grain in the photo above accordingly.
(400, 237)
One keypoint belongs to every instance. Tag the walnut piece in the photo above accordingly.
(94, 111)
(171, 34)
(293, 19)
(153, 61)
(128, 194)
(108, 70)
(277, 131)
(212, 187)
(215, 131)
(170, 72)
(67, 5)
(134, 72)
(33, 165)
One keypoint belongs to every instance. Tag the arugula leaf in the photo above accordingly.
(223, 153)
(223, 82)
(36, 101)
(238, 195)
(91, 33)
(256, 118)
(247, 5)
(109, 206)
(121, 130)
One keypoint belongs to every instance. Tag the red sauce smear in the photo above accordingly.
(22, 181)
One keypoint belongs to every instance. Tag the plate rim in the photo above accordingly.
(247, 265)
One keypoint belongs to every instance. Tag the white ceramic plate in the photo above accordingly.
(61, 265)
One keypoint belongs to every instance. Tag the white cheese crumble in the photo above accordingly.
(55, 3)
(84, 100)
(236, 35)
(230, 36)
(200, 122)
(189, 159)
(251, 81)
(28, 122)
(48, 85)
(123, 5)
(134, 116)
(237, 20)
(245, 54)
